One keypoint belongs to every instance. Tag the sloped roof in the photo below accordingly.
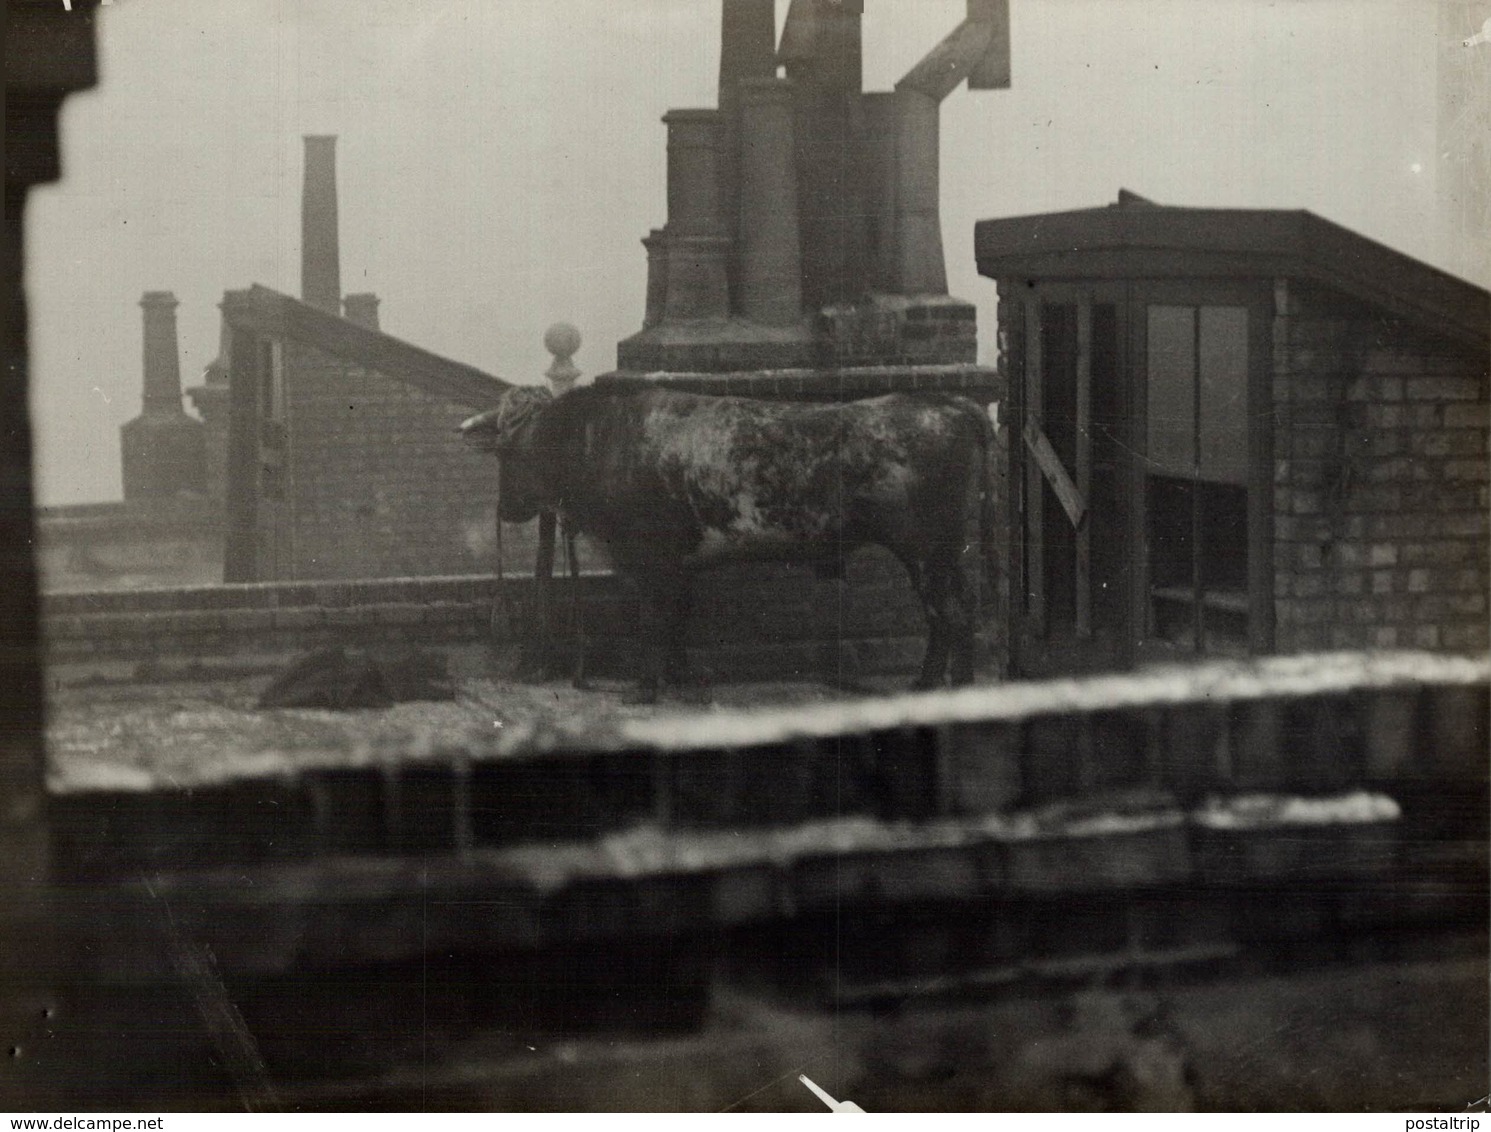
(269, 312)
(1136, 239)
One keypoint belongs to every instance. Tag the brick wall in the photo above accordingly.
(897, 329)
(1380, 499)
(379, 483)
(151, 542)
(1026, 797)
(835, 383)
(750, 621)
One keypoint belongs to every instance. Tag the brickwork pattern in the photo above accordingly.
(750, 621)
(848, 383)
(1380, 481)
(378, 483)
(894, 330)
(550, 844)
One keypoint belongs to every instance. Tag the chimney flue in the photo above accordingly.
(320, 259)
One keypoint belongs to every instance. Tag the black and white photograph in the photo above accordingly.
(624, 556)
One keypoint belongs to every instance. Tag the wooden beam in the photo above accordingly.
(799, 32)
(1072, 501)
(992, 72)
(1035, 501)
(1084, 465)
(950, 62)
(241, 539)
(271, 314)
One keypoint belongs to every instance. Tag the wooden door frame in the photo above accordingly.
(1027, 494)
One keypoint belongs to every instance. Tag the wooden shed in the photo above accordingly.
(1239, 432)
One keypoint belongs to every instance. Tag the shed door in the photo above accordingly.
(1073, 459)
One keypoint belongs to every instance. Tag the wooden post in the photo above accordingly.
(1084, 466)
(241, 552)
(1035, 510)
(1198, 593)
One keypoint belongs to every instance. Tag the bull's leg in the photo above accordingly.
(934, 600)
(666, 604)
(962, 612)
(931, 587)
(537, 661)
(577, 608)
(676, 658)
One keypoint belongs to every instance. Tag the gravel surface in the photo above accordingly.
(139, 736)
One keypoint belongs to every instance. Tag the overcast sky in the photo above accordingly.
(500, 160)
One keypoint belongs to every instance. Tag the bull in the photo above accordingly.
(672, 483)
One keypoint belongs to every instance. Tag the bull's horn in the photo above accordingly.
(473, 422)
(471, 428)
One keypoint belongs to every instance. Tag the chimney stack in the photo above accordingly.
(162, 364)
(162, 449)
(362, 309)
(320, 261)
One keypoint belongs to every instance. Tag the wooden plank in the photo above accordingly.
(1084, 466)
(951, 61)
(1198, 613)
(240, 557)
(992, 72)
(1261, 425)
(1035, 500)
(1072, 501)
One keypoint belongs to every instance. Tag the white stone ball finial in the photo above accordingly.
(562, 340)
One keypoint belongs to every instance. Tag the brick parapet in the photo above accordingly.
(739, 827)
(845, 383)
(750, 621)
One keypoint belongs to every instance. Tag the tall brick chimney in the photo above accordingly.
(320, 259)
(162, 448)
(160, 362)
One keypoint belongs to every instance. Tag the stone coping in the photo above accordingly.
(1217, 682)
(585, 728)
(332, 594)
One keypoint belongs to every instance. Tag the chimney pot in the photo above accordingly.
(362, 309)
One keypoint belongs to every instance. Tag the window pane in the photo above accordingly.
(1224, 394)
(1172, 390)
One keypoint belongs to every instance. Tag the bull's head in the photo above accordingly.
(505, 431)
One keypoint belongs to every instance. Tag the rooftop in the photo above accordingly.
(1136, 239)
(269, 312)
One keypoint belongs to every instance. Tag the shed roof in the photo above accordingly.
(1136, 239)
(269, 312)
